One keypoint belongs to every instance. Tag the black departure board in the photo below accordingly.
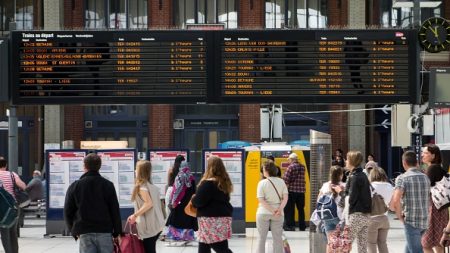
(4, 70)
(319, 66)
(109, 67)
(229, 66)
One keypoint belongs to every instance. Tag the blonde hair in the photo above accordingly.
(354, 158)
(216, 169)
(143, 174)
(377, 174)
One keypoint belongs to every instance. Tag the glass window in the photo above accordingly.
(403, 17)
(138, 14)
(24, 13)
(296, 13)
(95, 14)
(118, 14)
(6, 14)
(205, 12)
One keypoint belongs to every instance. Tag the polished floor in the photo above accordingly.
(33, 241)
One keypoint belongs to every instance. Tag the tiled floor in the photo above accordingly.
(32, 241)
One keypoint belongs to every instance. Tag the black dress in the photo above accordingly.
(179, 221)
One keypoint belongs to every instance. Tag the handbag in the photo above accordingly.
(286, 247)
(340, 240)
(130, 242)
(440, 193)
(22, 197)
(378, 205)
(190, 210)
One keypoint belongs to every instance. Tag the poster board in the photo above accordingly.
(162, 160)
(118, 167)
(233, 160)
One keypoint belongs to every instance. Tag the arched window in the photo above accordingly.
(295, 13)
(117, 14)
(206, 12)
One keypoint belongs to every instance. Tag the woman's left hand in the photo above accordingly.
(132, 219)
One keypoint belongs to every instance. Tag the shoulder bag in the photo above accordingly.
(22, 197)
(378, 205)
(286, 247)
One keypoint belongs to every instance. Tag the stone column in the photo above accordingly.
(357, 120)
(53, 114)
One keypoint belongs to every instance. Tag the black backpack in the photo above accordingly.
(8, 209)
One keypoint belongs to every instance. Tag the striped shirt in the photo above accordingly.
(294, 177)
(416, 191)
(6, 181)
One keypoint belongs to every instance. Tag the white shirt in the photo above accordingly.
(326, 189)
(266, 191)
(385, 189)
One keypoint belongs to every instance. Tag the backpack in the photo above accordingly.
(440, 193)
(8, 209)
(326, 207)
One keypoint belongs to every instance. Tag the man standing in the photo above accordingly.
(91, 210)
(410, 202)
(294, 177)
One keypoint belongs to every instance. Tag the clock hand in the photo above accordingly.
(434, 31)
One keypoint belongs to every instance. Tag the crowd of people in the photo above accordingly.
(426, 227)
(351, 187)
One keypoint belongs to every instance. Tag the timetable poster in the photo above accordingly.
(233, 164)
(162, 161)
(64, 168)
(118, 167)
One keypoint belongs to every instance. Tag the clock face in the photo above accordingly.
(434, 34)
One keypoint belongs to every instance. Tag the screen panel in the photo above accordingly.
(439, 87)
(138, 67)
(4, 70)
(319, 66)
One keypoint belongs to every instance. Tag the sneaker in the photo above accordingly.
(288, 228)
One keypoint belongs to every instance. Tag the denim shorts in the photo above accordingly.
(330, 225)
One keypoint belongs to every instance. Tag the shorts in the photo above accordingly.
(329, 226)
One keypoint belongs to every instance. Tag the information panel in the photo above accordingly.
(109, 67)
(162, 161)
(323, 66)
(64, 167)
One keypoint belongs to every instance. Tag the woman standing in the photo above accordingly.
(357, 190)
(438, 219)
(336, 175)
(173, 172)
(181, 226)
(379, 224)
(147, 207)
(214, 210)
(272, 195)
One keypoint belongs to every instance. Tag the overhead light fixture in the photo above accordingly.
(410, 4)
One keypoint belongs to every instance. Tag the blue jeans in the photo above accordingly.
(96, 243)
(413, 239)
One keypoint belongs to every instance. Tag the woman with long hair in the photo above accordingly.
(438, 218)
(336, 175)
(357, 190)
(171, 174)
(379, 224)
(181, 226)
(148, 214)
(214, 211)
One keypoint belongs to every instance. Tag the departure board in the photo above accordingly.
(229, 66)
(109, 67)
(319, 66)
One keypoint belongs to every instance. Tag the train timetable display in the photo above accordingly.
(322, 66)
(109, 67)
